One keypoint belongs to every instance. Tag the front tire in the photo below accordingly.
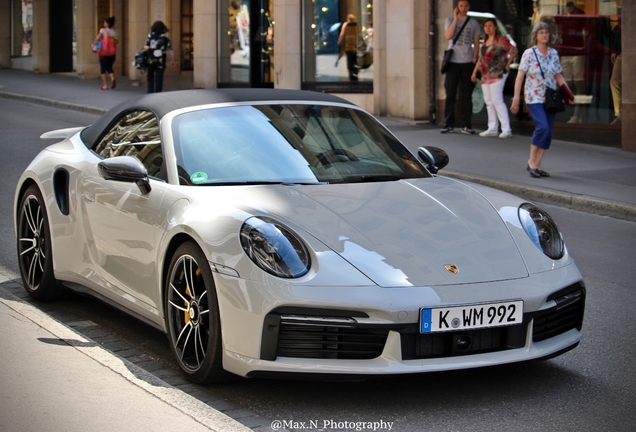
(35, 255)
(192, 315)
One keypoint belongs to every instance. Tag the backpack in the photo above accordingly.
(108, 46)
(140, 61)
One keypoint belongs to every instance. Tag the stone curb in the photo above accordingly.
(53, 103)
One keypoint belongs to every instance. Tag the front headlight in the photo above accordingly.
(542, 230)
(274, 247)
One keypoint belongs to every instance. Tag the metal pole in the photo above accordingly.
(432, 40)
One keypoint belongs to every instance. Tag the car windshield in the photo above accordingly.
(287, 143)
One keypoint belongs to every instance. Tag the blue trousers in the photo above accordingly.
(544, 123)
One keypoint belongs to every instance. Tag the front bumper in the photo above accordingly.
(315, 339)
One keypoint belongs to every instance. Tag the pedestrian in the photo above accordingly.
(348, 42)
(616, 80)
(540, 66)
(108, 38)
(465, 32)
(157, 45)
(497, 53)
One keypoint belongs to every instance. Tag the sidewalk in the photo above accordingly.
(55, 379)
(590, 178)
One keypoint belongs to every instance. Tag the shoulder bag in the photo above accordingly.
(108, 47)
(553, 100)
(449, 52)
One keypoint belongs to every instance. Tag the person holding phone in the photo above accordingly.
(460, 68)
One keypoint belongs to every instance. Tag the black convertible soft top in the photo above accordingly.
(163, 103)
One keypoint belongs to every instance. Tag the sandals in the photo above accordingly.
(104, 87)
(112, 84)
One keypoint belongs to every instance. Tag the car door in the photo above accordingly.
(122, 224)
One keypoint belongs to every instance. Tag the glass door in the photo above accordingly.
(246, 51)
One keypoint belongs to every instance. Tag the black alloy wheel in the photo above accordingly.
(34, 248)
(192, 314)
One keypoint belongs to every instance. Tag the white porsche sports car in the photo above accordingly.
(288, 232)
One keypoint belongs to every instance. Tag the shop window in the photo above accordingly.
(21, 27)
(338, 45)
(587, 36)
(246, 47)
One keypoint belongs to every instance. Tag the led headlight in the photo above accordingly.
(542, 230)
(274, 247)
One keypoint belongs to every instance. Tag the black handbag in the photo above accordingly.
(449, 52)
(553, 99)
(447, 56)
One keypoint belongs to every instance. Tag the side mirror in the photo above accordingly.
(125, 169)
(434, 158)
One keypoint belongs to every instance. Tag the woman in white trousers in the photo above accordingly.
(496, 54)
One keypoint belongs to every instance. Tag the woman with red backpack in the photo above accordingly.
(105, 46)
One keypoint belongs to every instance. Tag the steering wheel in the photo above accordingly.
(336, 155)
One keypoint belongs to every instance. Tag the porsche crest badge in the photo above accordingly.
(451, 268)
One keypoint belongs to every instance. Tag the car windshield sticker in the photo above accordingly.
(198, 177)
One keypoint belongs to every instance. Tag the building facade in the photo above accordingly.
(383, 55)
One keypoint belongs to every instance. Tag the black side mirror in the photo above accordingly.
(433, 158)
(125, 169)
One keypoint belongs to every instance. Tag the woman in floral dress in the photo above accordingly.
(536, 58)
(494, 63)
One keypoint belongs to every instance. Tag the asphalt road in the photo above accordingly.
(588, 389)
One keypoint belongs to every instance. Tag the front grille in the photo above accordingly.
(329, 342)
(565, 316)
(449, 344)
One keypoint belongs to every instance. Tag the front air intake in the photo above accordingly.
(565, 316)
(337, 339)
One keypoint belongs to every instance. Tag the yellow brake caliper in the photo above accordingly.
(186, 316)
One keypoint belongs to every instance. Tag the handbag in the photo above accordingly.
(446, 60)
(108, 46)
(140, 60)
(98, 46)
(553, 99)
(449, 52)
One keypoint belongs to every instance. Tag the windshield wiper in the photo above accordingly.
(262, 182)
(369, 179)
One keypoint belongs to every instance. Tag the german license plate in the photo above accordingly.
(468, 317)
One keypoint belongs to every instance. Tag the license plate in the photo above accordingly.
(468, 317)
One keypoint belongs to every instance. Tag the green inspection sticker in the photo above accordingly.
(198, 177)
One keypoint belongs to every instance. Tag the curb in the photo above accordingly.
(52, 103)
(582, 203)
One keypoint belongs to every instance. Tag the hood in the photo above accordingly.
(403, 233)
